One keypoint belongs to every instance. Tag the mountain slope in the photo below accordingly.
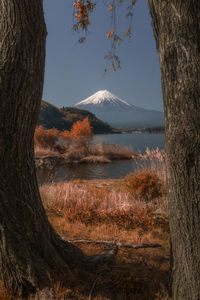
(63, 118)
(120, 113)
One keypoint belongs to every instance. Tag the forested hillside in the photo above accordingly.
(63, 118)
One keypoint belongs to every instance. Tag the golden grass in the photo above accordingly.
(104, 204)
(104, 210)
(153, 161)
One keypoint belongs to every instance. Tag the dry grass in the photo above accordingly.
(153, 161)
(44, 152)
(104, 210)
(94, 205)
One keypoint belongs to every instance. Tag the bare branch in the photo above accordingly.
(113, 243)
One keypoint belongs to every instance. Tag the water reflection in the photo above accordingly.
(115, 169)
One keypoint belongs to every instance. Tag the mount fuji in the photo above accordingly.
(119, 113)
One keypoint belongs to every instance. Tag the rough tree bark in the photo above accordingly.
(176, 25)
(30, 250)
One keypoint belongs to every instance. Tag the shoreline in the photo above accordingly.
(81, 152)
(53, 161)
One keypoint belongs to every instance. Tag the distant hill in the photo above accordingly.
(63, 118)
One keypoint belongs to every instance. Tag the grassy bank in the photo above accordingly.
(110, 211)
(78, 152)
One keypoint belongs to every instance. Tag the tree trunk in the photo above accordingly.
(30, 251)
(176, 25)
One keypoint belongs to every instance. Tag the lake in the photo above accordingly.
(138, 141)
(116, 169)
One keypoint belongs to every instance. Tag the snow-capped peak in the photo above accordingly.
(117, 112)
(104, 97)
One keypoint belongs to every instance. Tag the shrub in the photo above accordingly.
(45, 138)
(66, 135)
(79, 130)
(82, 129)
(144, 185)
(79, 135)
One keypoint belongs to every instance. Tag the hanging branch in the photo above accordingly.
(114, 36)
(82, 10)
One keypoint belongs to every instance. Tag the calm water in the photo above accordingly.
(138, 141)
(115, 169)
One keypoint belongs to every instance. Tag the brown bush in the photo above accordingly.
(144, 185)
(45, 138)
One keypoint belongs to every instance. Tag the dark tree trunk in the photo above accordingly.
(30, 250)
(31, 253)
(176, 25)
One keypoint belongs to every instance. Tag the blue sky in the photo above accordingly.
(74, 71)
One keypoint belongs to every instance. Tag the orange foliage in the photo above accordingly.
(46, 138)
(80, 129)
(145, 185)
(66, 135)
(82, 11)
(110, 33)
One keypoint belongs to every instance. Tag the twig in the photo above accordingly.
(91, 291)
(113, 243)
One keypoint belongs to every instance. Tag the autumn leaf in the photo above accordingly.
(127, 32)
(110, 33)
